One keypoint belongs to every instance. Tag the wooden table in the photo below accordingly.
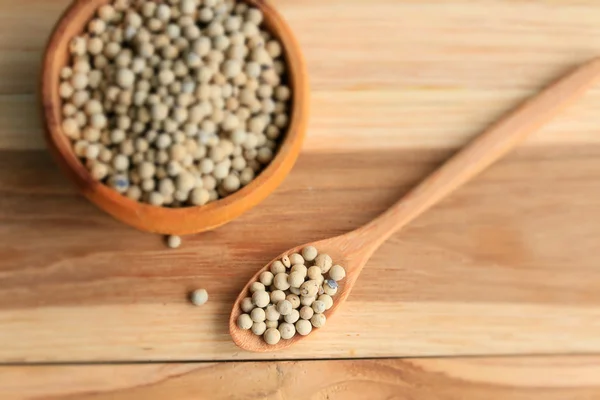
(507, 269)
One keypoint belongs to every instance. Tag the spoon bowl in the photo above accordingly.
(353, 250)
(351, 261)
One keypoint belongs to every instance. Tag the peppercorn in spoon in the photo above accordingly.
(352, 250)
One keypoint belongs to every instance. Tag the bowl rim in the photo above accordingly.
(175, 221)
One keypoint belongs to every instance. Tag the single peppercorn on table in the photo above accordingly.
(506, 269)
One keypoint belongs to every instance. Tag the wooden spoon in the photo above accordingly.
(352, 250)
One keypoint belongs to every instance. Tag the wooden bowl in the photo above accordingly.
(175, 221)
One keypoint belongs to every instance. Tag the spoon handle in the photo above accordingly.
(487, 148)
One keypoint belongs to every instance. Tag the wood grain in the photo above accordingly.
(427, 379)
(354, 249)
(408, 73)
(506, 265)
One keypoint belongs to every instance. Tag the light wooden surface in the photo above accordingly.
(408, 73)
(507, 265)
(354, 249)
(427, 379)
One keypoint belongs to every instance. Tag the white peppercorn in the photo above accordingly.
(95, 45)
(247, 305)
(125, 78)
(166, 186)
(121, 162)
(273, 132)
(265, 155)
(209, 182)
(272, 336)
(273, 48)
(284, 307)
(282, 93)
(281, 120)
(231, 183)
(287, 330)
(309, 253)
(215, 29)
(277, 267)
(91, 134)
(71, 128)
(337, 273)
(148, 9)
(244, 322)
(314, 273)
(134, 192)
(259, 328)
(238, 164)
(261, 298)
(300, 268)
(106, 12)
(292, 317)
(105, 155)
(163, 141)
(163, 12)
(294, 300)
(318, 307)
(79, 98)
(99, 171)
(98, 121)
(174, 241)
(306, 312)
(246, 176)
(318, 320)
(185, 182)
(309, 288)
(240, 8)
(272, 324)
(69, 110)
(257, 287)
(266, 278)
(307, 300)
(296, 258)
(330, 289)
(281, 281)
(199, 297)
(271, 313)
(155, 198)
(199, 196)
(205, 15)
(303, 327)
(324, 262)
(277, 296)
(327, 300)
(221, 170)
(296, 279)
(146, 170)
(258, 315)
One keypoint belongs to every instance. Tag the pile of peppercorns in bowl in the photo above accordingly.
(291, 297)
(176, 104)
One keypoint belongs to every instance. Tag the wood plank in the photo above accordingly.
(507, 265)
(384, 44)
(354, 121)
(489, 378)
(415, 74)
